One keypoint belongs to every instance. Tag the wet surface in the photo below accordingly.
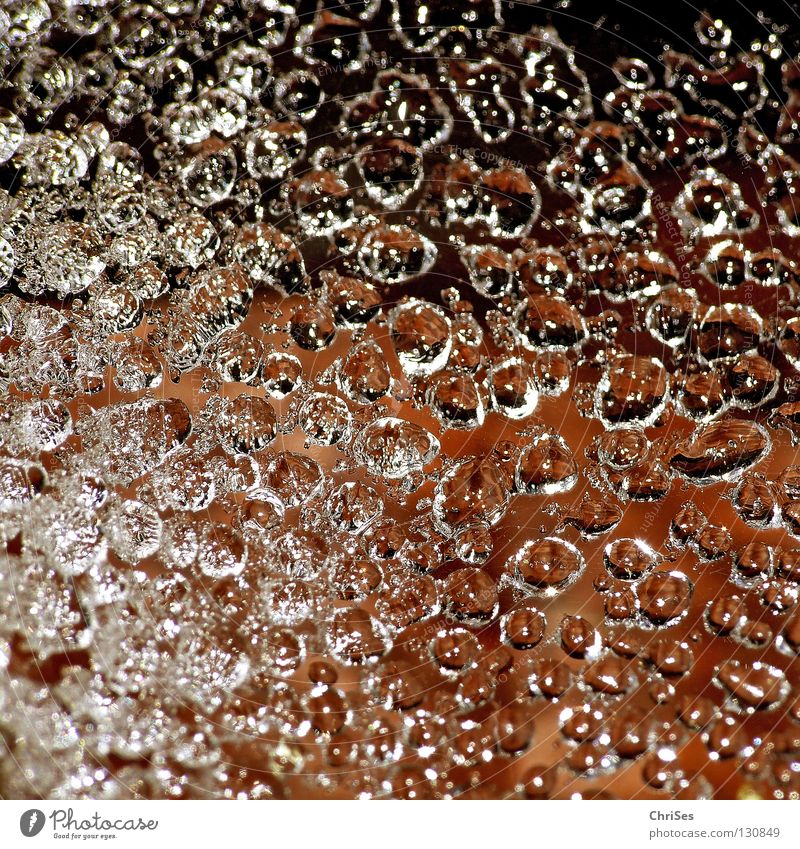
(397, 409)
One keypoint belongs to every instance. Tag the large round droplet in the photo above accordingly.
(547, 564)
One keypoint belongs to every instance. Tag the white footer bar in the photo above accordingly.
(396, 825)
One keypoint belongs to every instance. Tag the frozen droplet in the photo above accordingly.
(282, 374)
(272, 149)
(720, 450)
(456, 400)
(391, 170)
(628, 559)
(513, 388)
(753, 685)
(633, 389)
(321, 201)
(546, 466)
(325, 419)
(12, 133)
(396, 253)
(664, 597)
(247, 424)
(133, 530)
(475, 490)
(546, 565)
(421, 337)
(393, 448)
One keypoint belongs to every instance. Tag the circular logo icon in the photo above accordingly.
(31, 822)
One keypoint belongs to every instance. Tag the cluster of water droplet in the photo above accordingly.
(391, 408)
